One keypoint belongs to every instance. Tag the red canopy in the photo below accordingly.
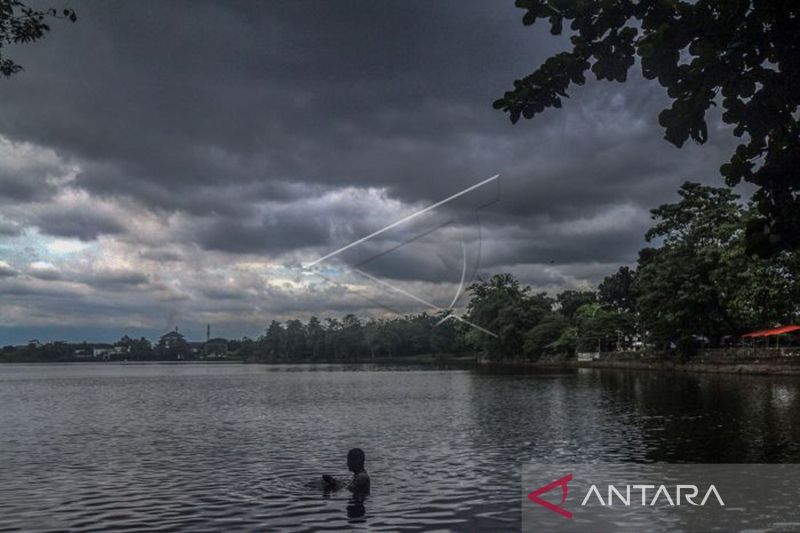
(770, 332)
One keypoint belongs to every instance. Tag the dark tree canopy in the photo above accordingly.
(570, 301)
(616, 291)
(699, 285)
(744, 54)
(20, 24)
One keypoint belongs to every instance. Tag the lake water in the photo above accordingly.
(238, 447)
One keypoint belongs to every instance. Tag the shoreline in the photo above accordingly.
(398, 361)
(719, 363)
(716, 362)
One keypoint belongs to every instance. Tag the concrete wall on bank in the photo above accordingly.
(781, 361)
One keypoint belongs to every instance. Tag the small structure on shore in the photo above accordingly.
(174, 344)
(772, 332)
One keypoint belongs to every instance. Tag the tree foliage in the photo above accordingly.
(701, 282)
(351, 339)
(600, 329)
(542, 337)
(616, 291)
(21, 24)
(507, 309)
(744, 54)
(570, 301)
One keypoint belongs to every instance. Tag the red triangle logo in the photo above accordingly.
(534, 496)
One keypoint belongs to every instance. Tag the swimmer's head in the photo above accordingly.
(355, 460)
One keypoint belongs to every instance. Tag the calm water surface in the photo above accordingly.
(238, 447)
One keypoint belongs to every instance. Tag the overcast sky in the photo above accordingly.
(173, 163)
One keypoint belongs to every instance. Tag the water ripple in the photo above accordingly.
(240, 448)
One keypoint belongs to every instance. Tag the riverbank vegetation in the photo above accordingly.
(694, 284)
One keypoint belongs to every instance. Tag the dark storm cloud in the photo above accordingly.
(115, 281)
(26, 289)
(24, 173)
(606, 239)
(19, 187)
(260, 127)
(9, 228)
(224, 294)
(44, 271)
(211, 113)
(254, 92)
(163, 256)
(7, 271)
(109, 280)
(81, 224)
(274, 235)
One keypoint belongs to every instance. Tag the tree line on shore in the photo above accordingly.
(125, 349)
(694, 284)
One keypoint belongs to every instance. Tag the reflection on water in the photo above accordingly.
(227, 447)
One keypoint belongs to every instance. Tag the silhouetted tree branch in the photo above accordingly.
(744, 54)
(20, 24)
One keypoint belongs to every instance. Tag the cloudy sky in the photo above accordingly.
(175, 163)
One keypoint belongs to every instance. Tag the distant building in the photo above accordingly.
(196, 347)
(216, 348)
(84, 353)
(98, 351)
(172, 339)
(180, 348)
(101, 350)
(173, 345)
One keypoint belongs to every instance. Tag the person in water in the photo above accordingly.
(359, 485)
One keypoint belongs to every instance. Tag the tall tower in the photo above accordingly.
(208, 332)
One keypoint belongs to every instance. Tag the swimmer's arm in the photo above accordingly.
(331, 483)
